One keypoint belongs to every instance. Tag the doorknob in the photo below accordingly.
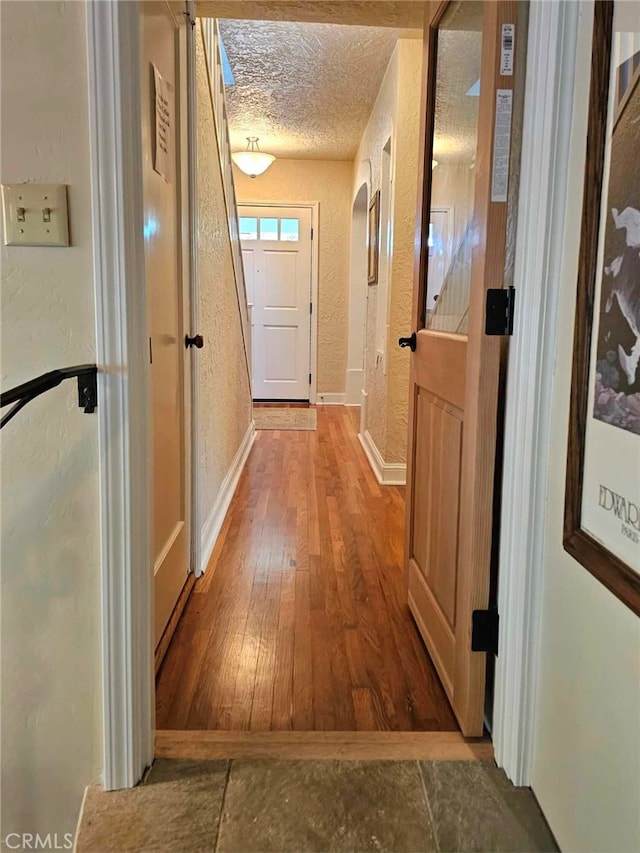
(408, 342)
(195, 341)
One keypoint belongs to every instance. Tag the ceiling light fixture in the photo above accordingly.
(252, 162)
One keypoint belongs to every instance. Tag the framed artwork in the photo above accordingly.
(374, 239)
(602, 502)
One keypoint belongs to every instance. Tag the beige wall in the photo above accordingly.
(586, 771)
(225, 395)
(329, 183)
(396, 114)
(51, 672)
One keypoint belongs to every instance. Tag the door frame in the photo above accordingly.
(314, 206)
(546, 152)
(125, 468)
(127, 659)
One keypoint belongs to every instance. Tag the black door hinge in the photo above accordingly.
(484, 630)
(312, 233)
(311, 308)
(500, 308)
(309, 379)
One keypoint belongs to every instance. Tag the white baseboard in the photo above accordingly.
(364, 399)
(387, 473)
(355, 381)
(331, 399)
(214, 521)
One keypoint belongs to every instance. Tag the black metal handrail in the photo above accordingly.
(23, 394)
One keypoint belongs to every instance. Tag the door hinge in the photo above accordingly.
(311, 308)
(312, 233)
(309, 379)
(500, 310)
(484, 630)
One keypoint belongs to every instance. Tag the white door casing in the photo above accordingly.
(276, 253)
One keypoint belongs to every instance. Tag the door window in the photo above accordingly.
(268, 228)
(455, 135)
(248, 226)
(286, 229)
(290, 230)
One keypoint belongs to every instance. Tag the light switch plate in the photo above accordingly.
(35, 215)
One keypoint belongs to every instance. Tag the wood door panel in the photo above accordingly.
(436, 498)
(435, 630)
(441, 364)
(454, 378)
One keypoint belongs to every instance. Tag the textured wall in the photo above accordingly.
(328, 183)
(396, 114)
(407, 132)
(225, 396)
(51, 682)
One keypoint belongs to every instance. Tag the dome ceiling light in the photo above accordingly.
(252, 162)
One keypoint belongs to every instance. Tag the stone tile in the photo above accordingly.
(176, 809)
(474, 807)
(324, 805)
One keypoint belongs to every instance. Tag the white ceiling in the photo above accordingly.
(306, 90)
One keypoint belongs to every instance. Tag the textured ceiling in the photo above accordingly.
(458, 69)
(370, 13)
(306, 90)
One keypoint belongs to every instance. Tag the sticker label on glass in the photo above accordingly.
(501, 145)
(506, 55)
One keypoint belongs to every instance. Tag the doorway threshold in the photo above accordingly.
(428, 746)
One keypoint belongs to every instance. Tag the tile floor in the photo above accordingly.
(268, 805)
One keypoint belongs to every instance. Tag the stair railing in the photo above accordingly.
(450, 313)
(23, 394)
(211, 33)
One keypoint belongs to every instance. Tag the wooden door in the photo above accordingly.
(276, 253)
(454, 376)
(165, 284)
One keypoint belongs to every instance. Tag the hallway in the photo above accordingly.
(300, 621)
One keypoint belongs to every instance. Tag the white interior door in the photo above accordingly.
(276, 252)
(163, 205)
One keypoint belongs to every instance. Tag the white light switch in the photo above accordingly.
(35, 215)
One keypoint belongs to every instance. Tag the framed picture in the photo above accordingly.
(374, 239)
(602, 503)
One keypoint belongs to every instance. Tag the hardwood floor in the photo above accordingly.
(300, 622)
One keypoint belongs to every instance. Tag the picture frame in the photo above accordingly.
(602, 515)
(373, 239)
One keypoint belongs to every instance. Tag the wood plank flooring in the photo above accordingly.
(300, 622)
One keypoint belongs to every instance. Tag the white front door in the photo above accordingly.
(276, 252)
